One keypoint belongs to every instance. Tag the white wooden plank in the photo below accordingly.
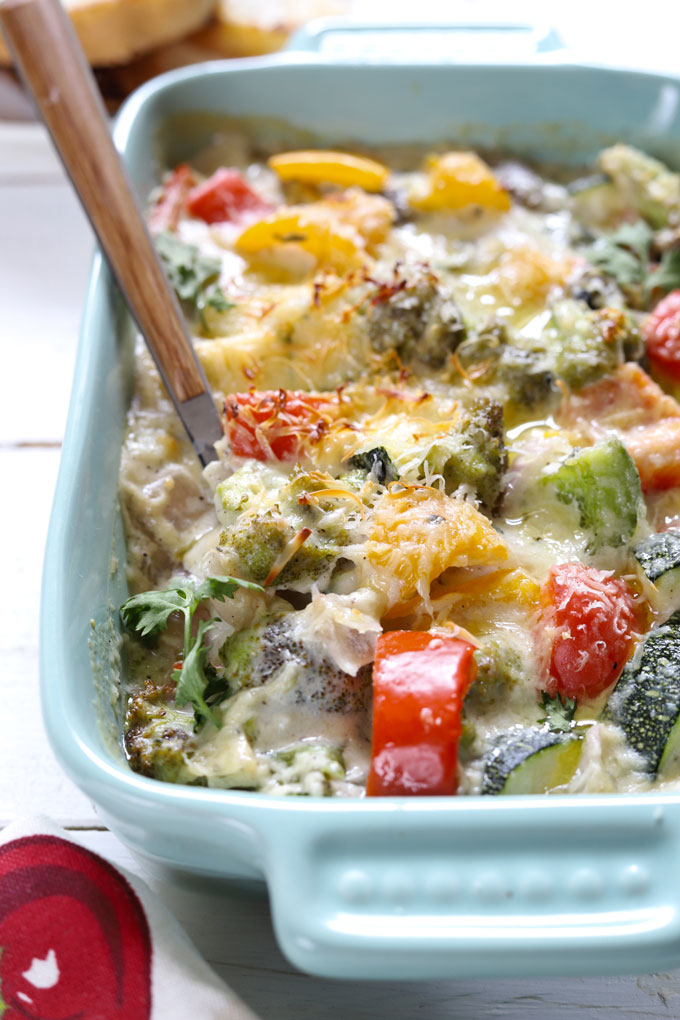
(14, 103)
(231, 927)
(30, 779)
(26, 153)
(45, 251)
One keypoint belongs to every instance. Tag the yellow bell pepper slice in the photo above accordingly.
(325, 167)
(419, 532)
(319, 238)
(458, 179)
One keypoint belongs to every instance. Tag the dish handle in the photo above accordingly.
(426, 42)
(510, 888)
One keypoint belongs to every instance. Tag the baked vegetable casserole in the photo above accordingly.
(439, 551)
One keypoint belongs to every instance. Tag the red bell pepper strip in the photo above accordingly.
(419, 682)
(224, 197)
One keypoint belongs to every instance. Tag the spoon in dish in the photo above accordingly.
(54, 69)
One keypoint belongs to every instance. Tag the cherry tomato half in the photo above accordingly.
(275, 425)
(589, 617)
(662, 334)
(225, 196)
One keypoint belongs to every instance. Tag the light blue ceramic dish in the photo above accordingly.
(422, 888)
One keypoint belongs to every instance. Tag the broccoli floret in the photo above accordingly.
(603, 483)
(527, 375)
(261, 540)
(585, 345)
(249, 656)
(473, 453)
(317, 757)
(300, 483)
(478, 356)
(301, 512)
(306, 769)
(259, 654)
(376, 462)
(645, 183)
(499, 669)
(414, 317)
(258, 540)
(156, 734)
(246, 488)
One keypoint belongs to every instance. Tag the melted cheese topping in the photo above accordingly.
(401, 373)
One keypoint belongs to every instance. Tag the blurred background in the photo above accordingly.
(129, 41)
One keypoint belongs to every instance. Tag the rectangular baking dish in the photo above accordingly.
(389, 888)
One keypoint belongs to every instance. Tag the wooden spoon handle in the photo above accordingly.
(54, 68)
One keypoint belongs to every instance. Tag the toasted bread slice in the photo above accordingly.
(245, 28)
(112, 32)
(240, 28)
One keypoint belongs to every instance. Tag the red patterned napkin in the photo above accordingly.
(82, 939)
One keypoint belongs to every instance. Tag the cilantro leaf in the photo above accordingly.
(192, 678)
(148, 613)
(187, 269)
(624, 254)
(667, 275)
(635, 236)
(222, 588)
(215, 298)
(192, 276)
(559, 714)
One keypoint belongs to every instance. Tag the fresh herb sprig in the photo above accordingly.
(666, 276)
(148, 613)
(192, 276)
(559, 714)
(625, 255)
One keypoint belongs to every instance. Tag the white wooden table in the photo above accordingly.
(45, 249)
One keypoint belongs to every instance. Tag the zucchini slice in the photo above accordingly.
(646, 700)
(659, 557)
(603, 483)
(532, 759)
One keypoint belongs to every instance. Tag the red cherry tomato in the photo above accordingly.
(225, 196)
(419, 682)
(661, 331)
(270, 425)
(589, 617)
(173, 199)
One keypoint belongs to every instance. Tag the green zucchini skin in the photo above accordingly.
(603, 483)
(645, 703)
(659, 554)
(531, 759)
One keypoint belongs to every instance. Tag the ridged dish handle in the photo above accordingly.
(422, 891)
(474, 42)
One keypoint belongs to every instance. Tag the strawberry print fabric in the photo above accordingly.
(80, 940)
